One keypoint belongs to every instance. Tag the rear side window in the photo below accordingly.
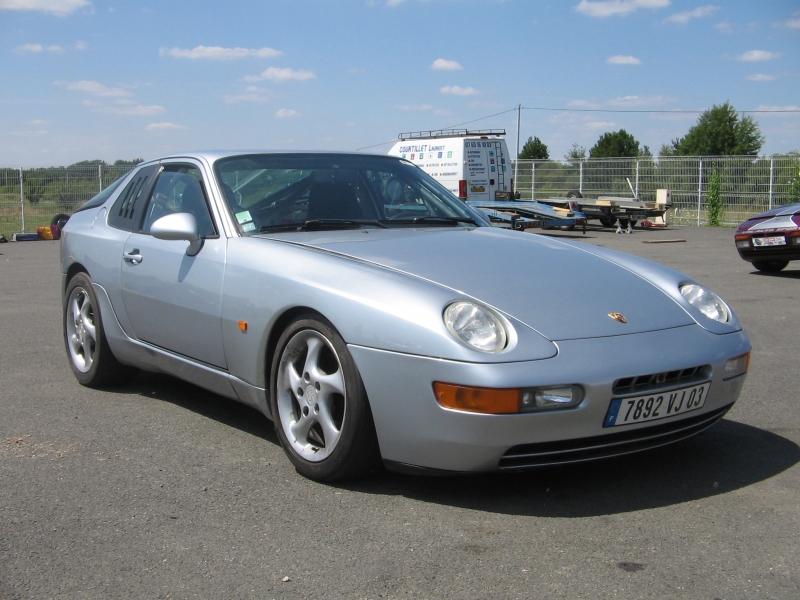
(129, 203)
(101, 198)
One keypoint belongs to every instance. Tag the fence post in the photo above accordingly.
(771, 178)
(699, 191)
(533, 180)
(637, 177)
(21, 201)
(100, 176)
(580, 181)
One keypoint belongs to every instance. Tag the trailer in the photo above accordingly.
(614, 210)
(521, 215)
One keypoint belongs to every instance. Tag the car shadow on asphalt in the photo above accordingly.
(792, 274)
(727, 457)
(200, 401)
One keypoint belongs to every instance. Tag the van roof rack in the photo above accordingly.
(445, 133)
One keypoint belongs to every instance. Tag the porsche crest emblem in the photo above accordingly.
(618, 317)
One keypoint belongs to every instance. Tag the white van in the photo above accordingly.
(472, 164)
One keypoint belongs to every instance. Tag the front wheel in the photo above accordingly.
(319, 404)
(90, 357)
(770, 266)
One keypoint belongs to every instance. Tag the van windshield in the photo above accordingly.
(303, 192)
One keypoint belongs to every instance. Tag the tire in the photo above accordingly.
(567, 228)
(574, 194)
(60, 220)
(770, 266)
(319, 405)
(90, 356)
(608, 221)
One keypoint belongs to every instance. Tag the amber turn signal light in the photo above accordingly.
(489, 401)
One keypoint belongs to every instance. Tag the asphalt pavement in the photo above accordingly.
(162, 490)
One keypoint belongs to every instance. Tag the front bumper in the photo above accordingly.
(414, 431)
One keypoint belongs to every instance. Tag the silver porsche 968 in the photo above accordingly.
(378, 320)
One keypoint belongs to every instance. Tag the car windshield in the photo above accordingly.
(307, 192)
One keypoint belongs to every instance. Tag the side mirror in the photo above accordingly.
(178, 226)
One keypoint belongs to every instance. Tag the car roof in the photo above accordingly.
(214, 155)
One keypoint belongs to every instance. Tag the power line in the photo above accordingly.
(598, 110)
(677, 111)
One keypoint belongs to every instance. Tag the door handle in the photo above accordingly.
(133, 257)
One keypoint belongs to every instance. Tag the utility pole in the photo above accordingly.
(516, 157)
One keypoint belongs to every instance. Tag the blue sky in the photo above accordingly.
(87, 79)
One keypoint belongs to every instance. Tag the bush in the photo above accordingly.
(714, 201)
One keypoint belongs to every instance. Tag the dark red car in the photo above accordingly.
(770, 240)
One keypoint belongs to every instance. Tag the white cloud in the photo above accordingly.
(35, 48)
(609, 8)
(619, 59)
(81, 45)
(420, 107)
(251, 94)
(287, 74)
(776, 110)
(458, 90)
(599, 124)
(393, 2)
(135, 110)
(760, 77)
(636, 101)
(286, 113)
(442, 64)
(793, 23)
(164, 126)
(686, 16)
(57, 7)
(724, 27)
(28, 133)
(219, 53)
(93, 87)
(757, 55)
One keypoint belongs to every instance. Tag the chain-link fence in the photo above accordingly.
(748, 185)
(32, 197)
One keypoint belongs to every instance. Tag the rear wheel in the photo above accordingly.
(90, 357)
(608, 221)
(319, 404)
(770, 266)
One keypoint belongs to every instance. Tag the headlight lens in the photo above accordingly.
(476, 326)
(706, 301)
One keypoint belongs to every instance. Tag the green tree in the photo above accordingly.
(720, 131)
(714, 200)
(615, 144)
(575, 154)
(128, 163)
(534, 149)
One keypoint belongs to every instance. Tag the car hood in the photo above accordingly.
(562, 290)
(781, 218)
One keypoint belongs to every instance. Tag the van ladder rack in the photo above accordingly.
(446, 133)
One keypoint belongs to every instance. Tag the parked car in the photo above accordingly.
(772, 239)
(378, 320)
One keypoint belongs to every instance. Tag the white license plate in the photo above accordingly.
(775, 240)
(652, 407)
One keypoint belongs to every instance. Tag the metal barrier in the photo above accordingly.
(748, 184)
(31, 197)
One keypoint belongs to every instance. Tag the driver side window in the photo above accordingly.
(179, 189)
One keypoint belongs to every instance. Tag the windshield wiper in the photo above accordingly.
(436, 220)
(322, 224)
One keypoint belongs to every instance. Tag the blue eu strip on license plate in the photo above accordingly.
(659, 405)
